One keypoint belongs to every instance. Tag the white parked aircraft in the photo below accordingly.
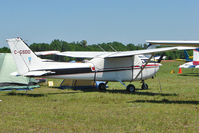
(104, 66)
(187, 65)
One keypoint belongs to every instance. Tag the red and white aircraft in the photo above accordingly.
(103, 66)
(194, 63)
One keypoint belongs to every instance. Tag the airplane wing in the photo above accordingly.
(75, 54)
(81, 54)
(93, 54)
(174, 43)
(138, 52)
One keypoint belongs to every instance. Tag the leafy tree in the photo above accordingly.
(83, 43)
(56, 45)
(40, 47)
(4, 50)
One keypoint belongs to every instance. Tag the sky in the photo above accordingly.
(98, 21)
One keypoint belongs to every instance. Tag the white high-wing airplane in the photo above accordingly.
(187, 65)
(104, 66)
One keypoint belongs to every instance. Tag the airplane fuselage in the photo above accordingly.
(100, 69)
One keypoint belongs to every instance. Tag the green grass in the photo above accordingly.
(174, 108)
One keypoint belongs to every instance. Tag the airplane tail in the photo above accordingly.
(186, 55)
(196, 56)
(24, 58)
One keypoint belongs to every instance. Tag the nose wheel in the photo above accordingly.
(144, 86)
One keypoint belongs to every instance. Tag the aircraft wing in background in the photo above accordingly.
(47, 52)
(174, 43)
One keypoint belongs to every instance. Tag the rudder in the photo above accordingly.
(196, 56)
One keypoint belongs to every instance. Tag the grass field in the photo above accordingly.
(174, 108)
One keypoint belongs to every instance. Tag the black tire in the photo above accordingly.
(130, 88)
(145, 86)
(102, 87)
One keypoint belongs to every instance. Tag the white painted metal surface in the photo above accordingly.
(105, 66)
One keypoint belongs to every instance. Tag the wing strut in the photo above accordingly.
(142, 67)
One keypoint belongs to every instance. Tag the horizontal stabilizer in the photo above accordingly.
(37, 73)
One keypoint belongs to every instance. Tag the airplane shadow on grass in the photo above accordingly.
(36, 94)
(121, 91)
(190, 74)
(165, 101)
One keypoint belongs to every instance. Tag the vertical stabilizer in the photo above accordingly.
(24, 58)
(196, 56)
(186, 56)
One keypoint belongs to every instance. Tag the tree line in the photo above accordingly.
(62, 46)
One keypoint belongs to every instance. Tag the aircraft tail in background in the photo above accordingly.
(187, 57)
(196, 56)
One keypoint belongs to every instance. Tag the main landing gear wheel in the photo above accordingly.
(102, 87)
(145, 86)
(130, 88)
